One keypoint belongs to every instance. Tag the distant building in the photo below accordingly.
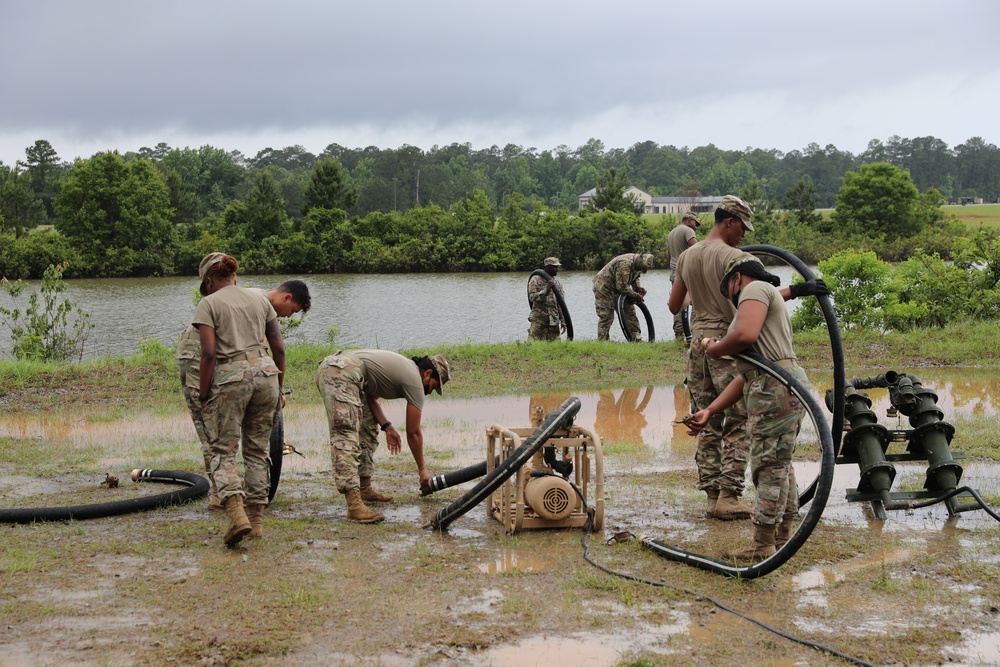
(662, 205)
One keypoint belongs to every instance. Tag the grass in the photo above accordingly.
(986, 215)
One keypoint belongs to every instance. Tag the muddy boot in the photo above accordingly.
(713, 498)
(239, 525)
(358, 511)
(783, 532)
(370, 495)
(255, 513)
(729, 507)
(213, 500)
(762, 547)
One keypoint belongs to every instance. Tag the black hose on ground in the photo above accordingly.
(456, 477)
(276, 453)
(823, 485)
(197, 487)
(559, 300)
(625, 299)
(836, 349)
(560, 418)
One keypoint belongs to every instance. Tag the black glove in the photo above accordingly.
(815, 287)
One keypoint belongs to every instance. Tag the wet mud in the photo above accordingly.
(868, 587)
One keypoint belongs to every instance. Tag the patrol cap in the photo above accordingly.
(739, 208)
(206, 265)
(748, 265)
(691, 215)
(552, 261)
(442, 369)
(646, 260)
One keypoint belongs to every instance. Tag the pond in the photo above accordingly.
(391, 312)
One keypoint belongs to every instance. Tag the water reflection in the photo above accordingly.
(622, 418)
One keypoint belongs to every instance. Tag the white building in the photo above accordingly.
(663, 205)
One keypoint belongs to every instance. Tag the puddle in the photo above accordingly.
(510, 561)
(982, 650)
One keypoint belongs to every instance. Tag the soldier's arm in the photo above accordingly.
(415, 441)
(392, 439)
(208, 361)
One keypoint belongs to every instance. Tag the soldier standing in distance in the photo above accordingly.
(680, 239)
(546, 319)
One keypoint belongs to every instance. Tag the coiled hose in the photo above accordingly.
(197, 487)
(560, 418)
(559, 300)
(624, 300)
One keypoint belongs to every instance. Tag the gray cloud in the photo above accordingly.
(116, 74)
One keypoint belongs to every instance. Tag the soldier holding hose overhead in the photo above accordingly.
(763, 325)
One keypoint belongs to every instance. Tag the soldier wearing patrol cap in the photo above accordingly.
(546, 319)
(351, 383)
(680, 239)
(620, 276)
(723, 446)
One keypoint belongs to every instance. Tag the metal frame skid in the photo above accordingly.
(579, 446)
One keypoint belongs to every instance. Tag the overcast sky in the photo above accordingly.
(93, 75)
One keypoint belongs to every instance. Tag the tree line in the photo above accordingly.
(157, 211)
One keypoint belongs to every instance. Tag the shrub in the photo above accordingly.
(43, 331)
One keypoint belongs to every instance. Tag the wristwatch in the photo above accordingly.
(385, 426)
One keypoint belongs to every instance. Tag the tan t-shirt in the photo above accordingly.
(678, 240)
(701, 268)
(390, 375)
(239, 317)
(775, 340)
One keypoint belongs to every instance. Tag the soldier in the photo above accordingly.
(546, 318)
(762, 324)
(620, 276)
(287, 299)
(351, 382)
(239, 389)
(680, 239)
(723, 446)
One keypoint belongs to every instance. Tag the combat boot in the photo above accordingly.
(239, 525)
(255, 513)
(358, 511)
(762, 547)
(370, 495)
(729, 507)
(713, 498)
(213, 500)
(783, 532)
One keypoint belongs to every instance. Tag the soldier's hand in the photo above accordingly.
(393, 441)
(698, 421)
(425, 480)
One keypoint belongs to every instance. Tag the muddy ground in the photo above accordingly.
(159, 588)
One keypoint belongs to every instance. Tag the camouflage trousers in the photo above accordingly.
(723, 445)
(242, 404)
(543, 332)
(188, 356)
(605, 304)
(774, 418)
(353, 431)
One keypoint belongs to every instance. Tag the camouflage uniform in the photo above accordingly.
(775, 416)
(353, 431)
(723, 445)
(619, 276)
(188, 356)
(546, 320)
(243, 401)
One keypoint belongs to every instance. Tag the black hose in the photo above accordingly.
(559, 300)
(197, 487)
(822, 492)
(625, 299)
(456, 477)
(277, 453)
(686, 324)
(561, 417)
(836, 348)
